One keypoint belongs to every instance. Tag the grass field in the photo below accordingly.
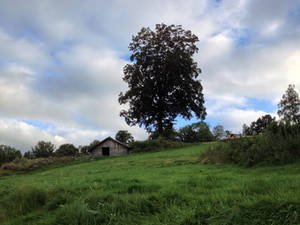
(167, 187)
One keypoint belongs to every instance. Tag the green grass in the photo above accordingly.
(167, 187)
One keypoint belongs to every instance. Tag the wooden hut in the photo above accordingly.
(110, 147)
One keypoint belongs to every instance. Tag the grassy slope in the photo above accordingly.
(167, 187)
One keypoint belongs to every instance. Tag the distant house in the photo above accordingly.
(110, 147)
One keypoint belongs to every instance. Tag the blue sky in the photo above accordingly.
(61, 63)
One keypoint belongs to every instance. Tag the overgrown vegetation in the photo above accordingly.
(154, 145)
(279, 144)
(166, 187)
(25, 164)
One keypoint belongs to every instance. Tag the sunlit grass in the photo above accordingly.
(166, 187)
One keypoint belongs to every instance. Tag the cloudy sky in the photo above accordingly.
(61, 62)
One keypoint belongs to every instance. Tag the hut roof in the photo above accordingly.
(110, 138)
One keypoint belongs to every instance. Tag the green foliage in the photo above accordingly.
(87, 148)
(23, 200)
(66, 150)
(279, 144)
(162, 79)
(124, 136)
(258, 126)
(154, 145)
(43, 149)
(289, 106)
(168, 133)
(8, 154)
(196, 132)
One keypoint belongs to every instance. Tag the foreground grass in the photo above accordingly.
(167, 187)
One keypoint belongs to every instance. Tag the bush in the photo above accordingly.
(154, 145)
(279, 144)
(8, 154)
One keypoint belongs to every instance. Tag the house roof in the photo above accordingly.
(110, 138)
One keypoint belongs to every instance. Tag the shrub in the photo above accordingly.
(279, 144)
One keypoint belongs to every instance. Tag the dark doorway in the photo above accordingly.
(105, 151)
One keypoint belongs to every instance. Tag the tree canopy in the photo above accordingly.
(162, 79)
(289, 106)
(196, 132)
(258, 126)
(67, 150)
(124, 136)
(8, 154)
(43, 149)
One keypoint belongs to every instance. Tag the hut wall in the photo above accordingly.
(114, 148)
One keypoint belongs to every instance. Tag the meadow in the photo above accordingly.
(165, 187)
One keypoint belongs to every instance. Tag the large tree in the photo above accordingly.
(289, 106)
(162, 78)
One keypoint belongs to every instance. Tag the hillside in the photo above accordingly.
(167, 187)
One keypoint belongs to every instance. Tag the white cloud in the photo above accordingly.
(61, 61)
(232, 118)
(22, 51)
(24, 136)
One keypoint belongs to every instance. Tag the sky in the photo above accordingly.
(61, 63)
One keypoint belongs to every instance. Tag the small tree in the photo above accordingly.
(168, 134)
(203, 132)
(124, 136)
(43, 149)
(187, 134)
(289, 106)
(196, 132)
(219, 132)
(67, 150)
